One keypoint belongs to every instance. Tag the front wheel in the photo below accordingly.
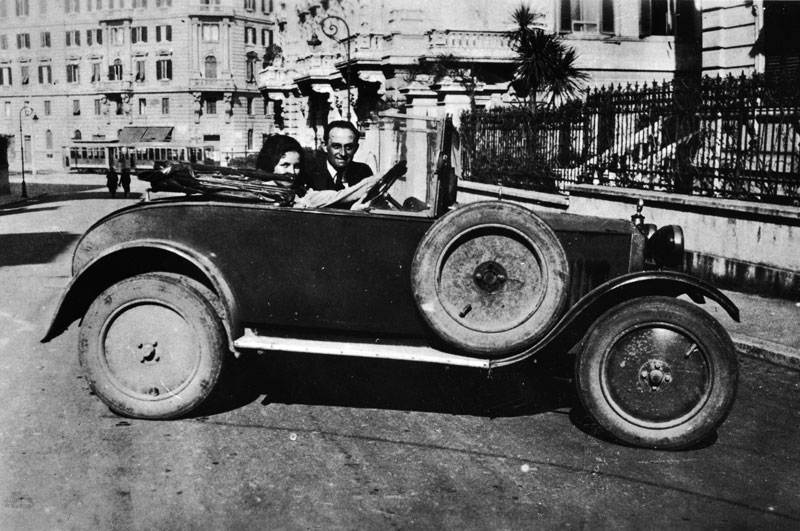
(657, 372)
(152, 346)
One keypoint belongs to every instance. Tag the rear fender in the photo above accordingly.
(133, 258)
(577, 321)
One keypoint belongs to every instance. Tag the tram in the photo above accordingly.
(92, 156)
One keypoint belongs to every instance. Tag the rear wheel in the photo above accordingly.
(657, 372)
(152, 346)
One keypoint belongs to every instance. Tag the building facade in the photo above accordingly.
(107, 69)
(382, 46)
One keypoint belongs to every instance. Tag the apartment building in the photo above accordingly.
(179, 71)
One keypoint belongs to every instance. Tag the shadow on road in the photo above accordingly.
(39, 193)
(33, 247)
(384, 384)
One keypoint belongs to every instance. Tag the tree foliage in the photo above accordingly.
(546, 65)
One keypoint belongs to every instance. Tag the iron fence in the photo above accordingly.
(734, 137)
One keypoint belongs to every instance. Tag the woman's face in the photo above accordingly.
(289, 164)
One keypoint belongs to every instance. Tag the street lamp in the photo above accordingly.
(28, 111)
(330, 27)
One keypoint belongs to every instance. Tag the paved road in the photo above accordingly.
(313, 443)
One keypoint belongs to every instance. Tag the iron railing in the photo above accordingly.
(734, 137)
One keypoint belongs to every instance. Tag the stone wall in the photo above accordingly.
(735, 244)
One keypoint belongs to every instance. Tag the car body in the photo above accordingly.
(165, 288)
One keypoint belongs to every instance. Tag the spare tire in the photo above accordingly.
(490, 278)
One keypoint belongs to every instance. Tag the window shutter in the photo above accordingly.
(144, 34)
(169, 33)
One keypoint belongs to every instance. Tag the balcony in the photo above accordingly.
(212, 84)
(116, 86)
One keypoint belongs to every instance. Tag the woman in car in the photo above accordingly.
(282, 155)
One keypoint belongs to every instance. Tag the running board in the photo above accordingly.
(416, 353)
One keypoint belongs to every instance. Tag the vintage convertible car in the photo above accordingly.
(167, 288)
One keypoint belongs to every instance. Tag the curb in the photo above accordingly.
(767, 350)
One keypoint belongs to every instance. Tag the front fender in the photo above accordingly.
(136, 257)
(576, 322)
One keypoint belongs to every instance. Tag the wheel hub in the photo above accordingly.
(148, 352)
(490, 276)
(655, 373)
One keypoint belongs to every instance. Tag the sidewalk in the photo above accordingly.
(769, 328)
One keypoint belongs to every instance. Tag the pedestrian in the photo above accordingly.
(112, 181)
(125, 180)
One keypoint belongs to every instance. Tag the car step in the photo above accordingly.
(393, 351)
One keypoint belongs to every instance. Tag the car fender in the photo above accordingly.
(580, 317)
(104, 270)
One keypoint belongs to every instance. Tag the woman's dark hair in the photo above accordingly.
(274, 148)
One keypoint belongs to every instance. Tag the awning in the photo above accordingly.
(137, 135)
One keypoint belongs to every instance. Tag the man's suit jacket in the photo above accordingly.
(318, 177)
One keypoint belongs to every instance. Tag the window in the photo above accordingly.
(73, 38)
(249, 139)
(249, 35)
(3, 42)
(117, 36)
(95, 65)
(266, 37)
(76, 135)
(210, 32)
(657, 17)
(592, 16)
(48, 139)
(164, 69)
(99, 4)
(141, 4)
(163, 3)
(163, 33)
(42, 6)
(24, 74)
(23, 40)
(45, 75)
(98, 34)
(73, 73)
(47, 107)
(211, 106)
(139, 67)
(45, 39)
(138, 34)
(22, 8)
(98, 106)
(250, 5)
(7, 108)
(164, 105)
(142, 106)
(115, 71)
(72, 6)
(266, 6)
(250, 65)
(5, 75)
(76, 108)
(89, 37)
(211, 67)
(209, 2)
(3, 10)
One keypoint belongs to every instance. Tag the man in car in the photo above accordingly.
(337, 170)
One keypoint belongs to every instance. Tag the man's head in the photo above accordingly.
(341, 143)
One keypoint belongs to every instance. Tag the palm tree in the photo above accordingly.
(545, 65)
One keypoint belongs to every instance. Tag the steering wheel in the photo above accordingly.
(383, 185)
